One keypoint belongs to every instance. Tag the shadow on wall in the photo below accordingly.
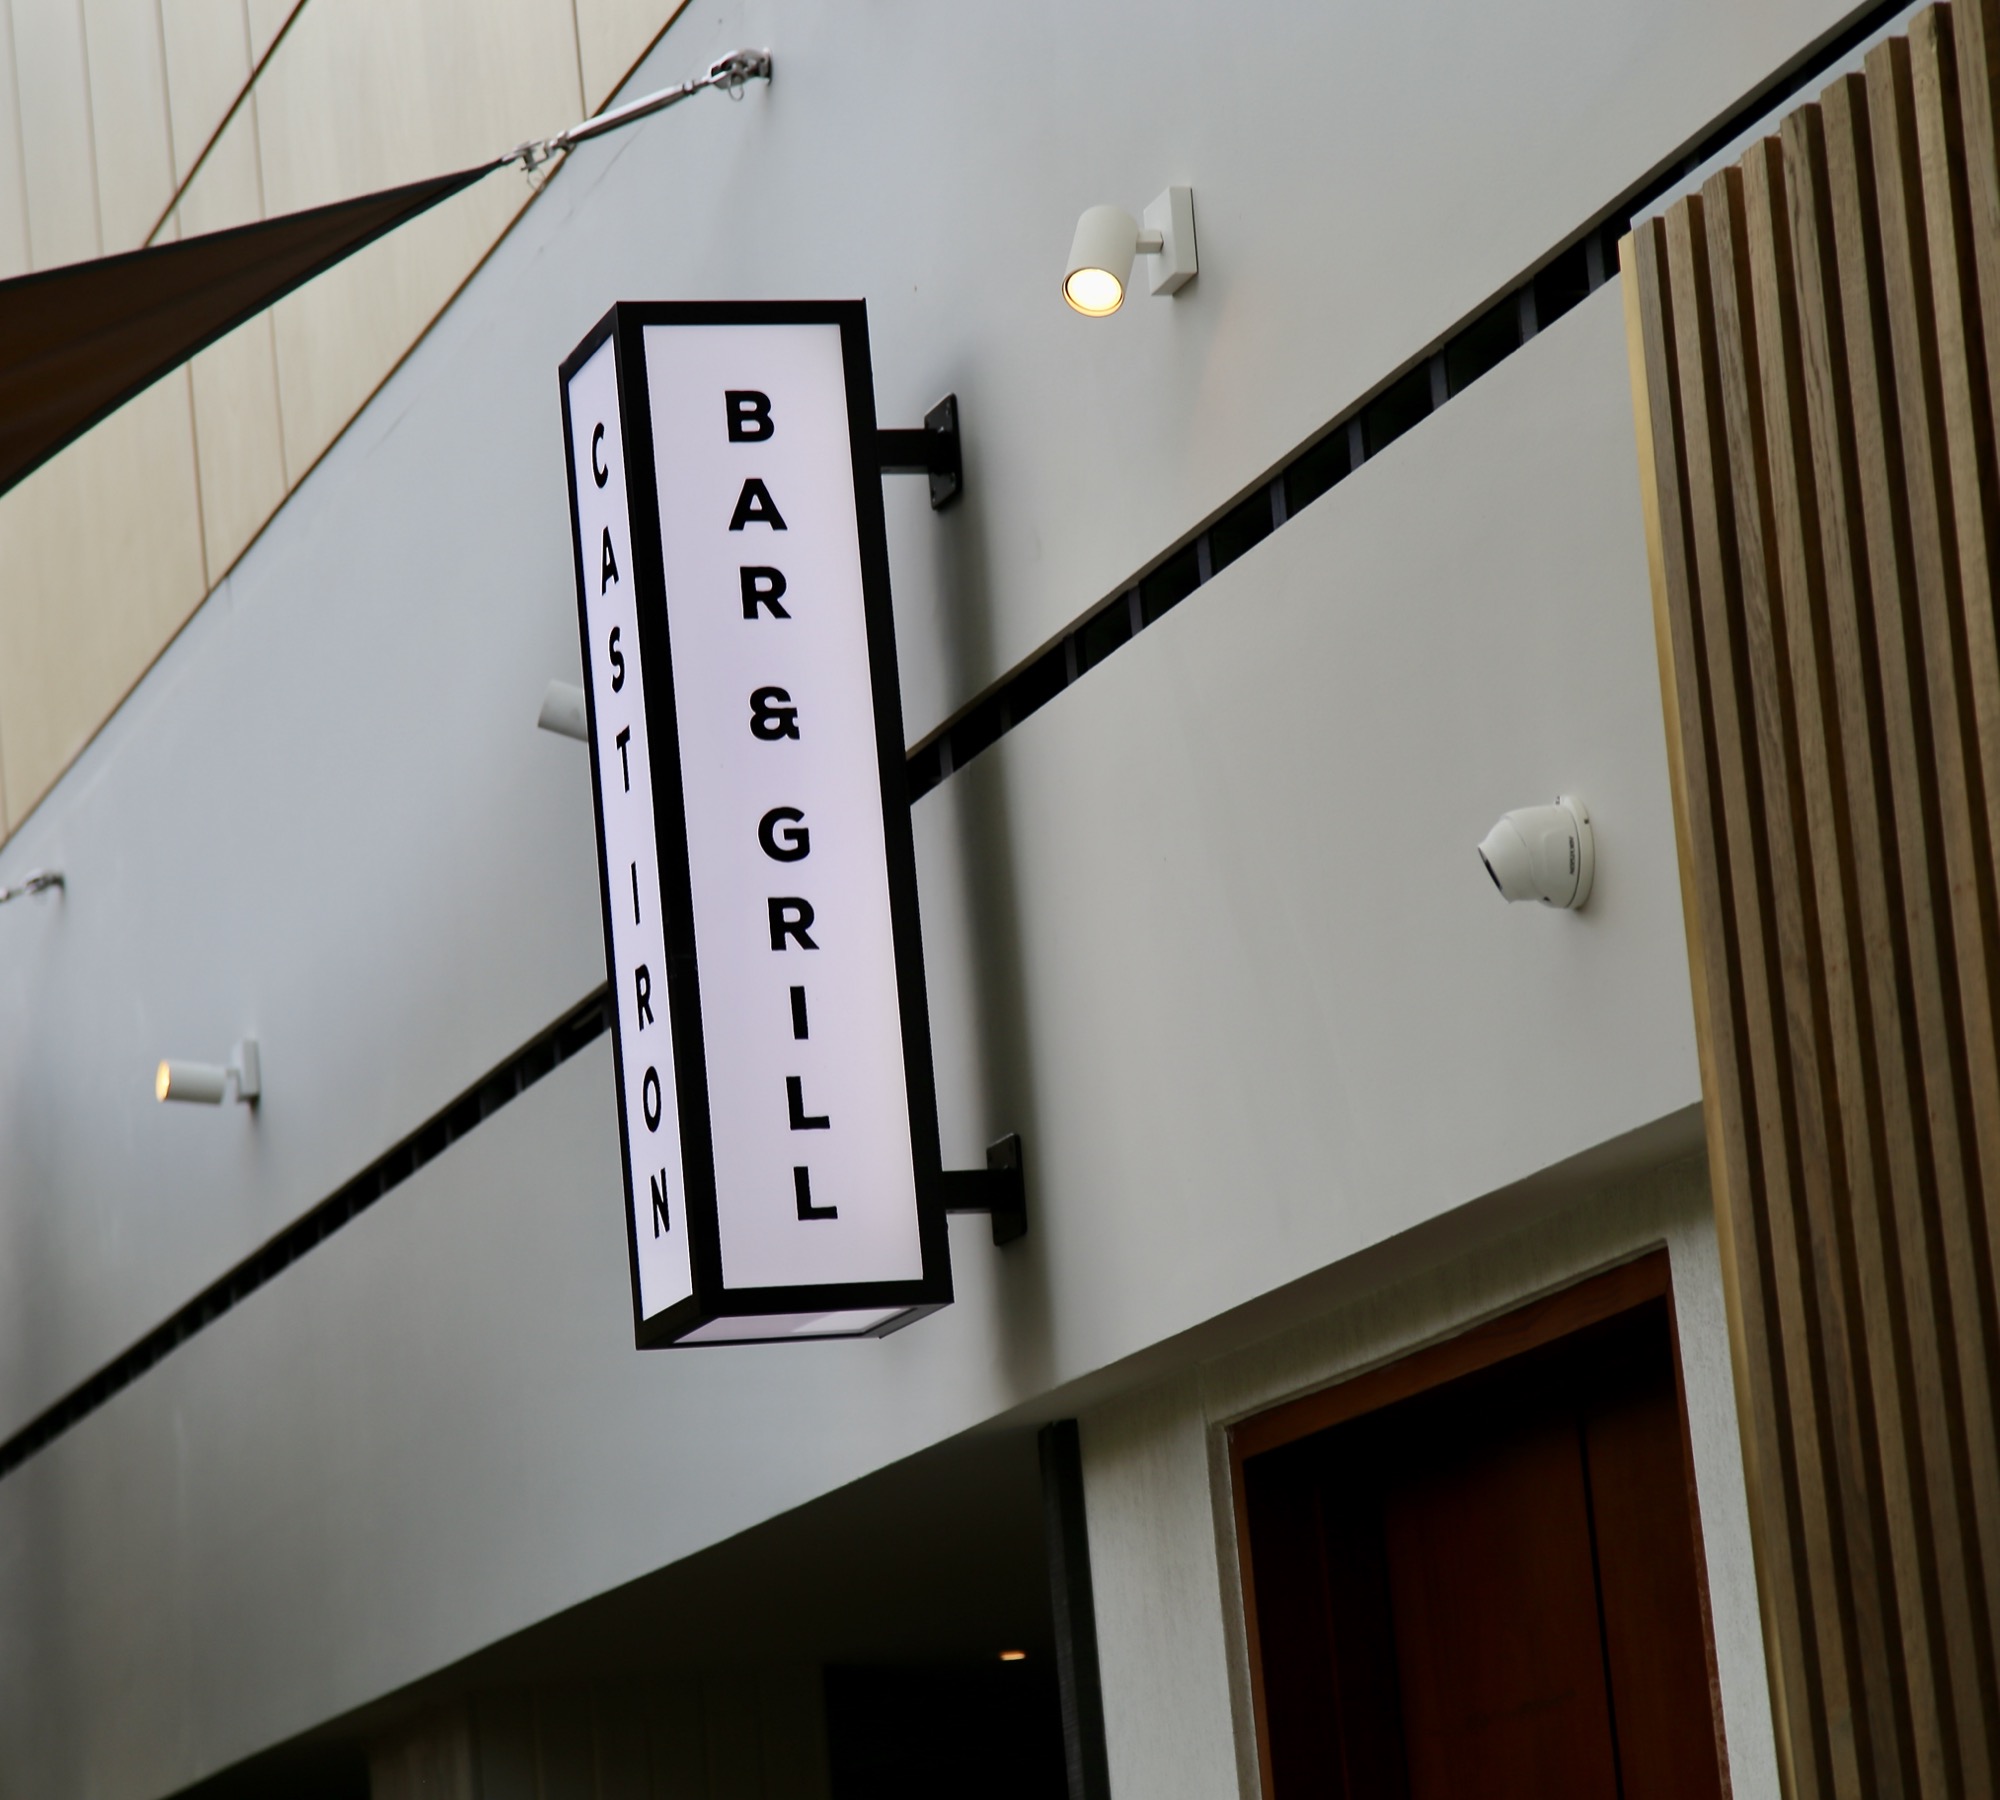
(995, 1027)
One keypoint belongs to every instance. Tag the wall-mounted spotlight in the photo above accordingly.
(1544, 853)
(1107, 239)
(203, 1084)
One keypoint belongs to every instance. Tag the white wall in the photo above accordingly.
(1236, 1056)
(432, 1433)
(1163, 1536)
(1210, 932)
(1208, 929)
(321, 817)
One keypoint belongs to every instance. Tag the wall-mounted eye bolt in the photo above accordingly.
(36, 881)
(206, 1084)
(1544, 853)
(1108, 238)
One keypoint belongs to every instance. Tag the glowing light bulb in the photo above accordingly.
(1094, 292)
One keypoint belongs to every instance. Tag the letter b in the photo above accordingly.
(749, 415)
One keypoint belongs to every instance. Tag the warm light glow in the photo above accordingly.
(162, 1080)
(1013, 1656)
(1094, 292)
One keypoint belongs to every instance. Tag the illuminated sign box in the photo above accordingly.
(776, 1107)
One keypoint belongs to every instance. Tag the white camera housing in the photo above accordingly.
(1543, 853)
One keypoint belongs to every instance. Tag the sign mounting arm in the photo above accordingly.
(1000, 1189)
(933, 450)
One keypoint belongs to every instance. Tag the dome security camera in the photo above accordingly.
(1543, 853)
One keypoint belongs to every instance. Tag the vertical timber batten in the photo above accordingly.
(1640, 343)
(1815, 360)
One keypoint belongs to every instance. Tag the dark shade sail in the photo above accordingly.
(76, 343)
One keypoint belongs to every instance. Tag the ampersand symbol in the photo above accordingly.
(772, 715)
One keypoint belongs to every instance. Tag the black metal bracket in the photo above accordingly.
(1000, 1189)
(933, 451)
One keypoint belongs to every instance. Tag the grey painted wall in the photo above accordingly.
(1147, 951)
(322, 817)
(1208, 929)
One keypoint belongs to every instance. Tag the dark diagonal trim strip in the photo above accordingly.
(1412, 394)
(471, 1109)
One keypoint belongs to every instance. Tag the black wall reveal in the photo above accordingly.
(1474, 349)
(583, 1025)
(1405, 400)
(1067, 1542)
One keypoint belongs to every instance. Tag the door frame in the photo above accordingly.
(1541, 1321)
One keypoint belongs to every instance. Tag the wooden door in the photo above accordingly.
(1490, 1587)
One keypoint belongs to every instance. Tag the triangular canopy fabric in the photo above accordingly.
(76, 343)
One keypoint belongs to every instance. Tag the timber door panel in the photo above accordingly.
(1487, 1528)
(1655, 1631)
(1490, 1586)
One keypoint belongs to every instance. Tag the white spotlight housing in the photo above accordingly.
(563, 711)
(204, 1084)
(1108, 238)
(1543, 853)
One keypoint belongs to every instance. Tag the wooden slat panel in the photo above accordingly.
(1813, 372)
(1797, 1340)
(1931, 383)
(1838, 755)
(1977, 27)
(1809, 904)
(1978, 30)
(1964, 351)
(1809, 961)
(1772, 1463)
(1968, 433)
(1953, 1176)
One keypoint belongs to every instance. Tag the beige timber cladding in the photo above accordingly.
(124, 122)
(1818, 370)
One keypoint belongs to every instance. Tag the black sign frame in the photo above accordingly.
(711, 1299)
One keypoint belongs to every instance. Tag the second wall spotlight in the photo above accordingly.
(1108, 238)
(206, 1084)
